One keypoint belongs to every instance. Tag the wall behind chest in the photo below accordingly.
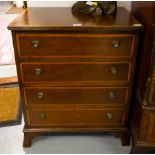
(126, 4)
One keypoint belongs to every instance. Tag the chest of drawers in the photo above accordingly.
(75, 78)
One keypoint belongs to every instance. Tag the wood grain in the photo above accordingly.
(69, 45)
(76, 95)
(75, 67)
(76, 71)
(75, 117)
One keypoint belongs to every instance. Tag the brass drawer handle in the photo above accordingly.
(35, 43)
(113, 70)
(42, 116)
(40, 95)
(111, 94)
(38, 71)
(116, 44)
(109, 115)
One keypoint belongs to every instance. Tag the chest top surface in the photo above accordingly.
(64, 19)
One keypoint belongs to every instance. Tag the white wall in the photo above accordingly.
(50, 3)
(126, 4)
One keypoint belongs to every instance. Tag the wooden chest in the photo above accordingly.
(75, 71)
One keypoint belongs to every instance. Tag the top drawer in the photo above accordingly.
(75, 45)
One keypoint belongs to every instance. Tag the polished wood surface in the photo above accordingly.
(76, 95)
(90, 72)
(51, 19)
(75, 117)
(93, 45)
(69, 74)
(143, 114)
(8, 80)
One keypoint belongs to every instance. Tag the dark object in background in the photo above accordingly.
(108, 7)
(95, 7)
(83, 8)
(143, 108)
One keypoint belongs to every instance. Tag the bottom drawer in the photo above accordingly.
(76, 117)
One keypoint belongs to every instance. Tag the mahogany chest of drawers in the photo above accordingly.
(75, 71)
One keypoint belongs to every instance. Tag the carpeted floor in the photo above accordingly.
(11, 141)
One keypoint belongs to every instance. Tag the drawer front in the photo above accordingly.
(76, 117)
(76, 95)
(81, 45)
(76, 71)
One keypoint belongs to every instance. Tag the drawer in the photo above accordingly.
(76, 95)
(76, 117)
(75, 72)
(75, 45)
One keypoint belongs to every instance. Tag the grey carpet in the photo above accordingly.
(11, 140)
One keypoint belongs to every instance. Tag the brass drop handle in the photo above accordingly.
(38, 71)
(113, 70)
(109, 116)
(111, 94)
(40, 95)
(115, 44)
(42, 116)
(35, 43)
